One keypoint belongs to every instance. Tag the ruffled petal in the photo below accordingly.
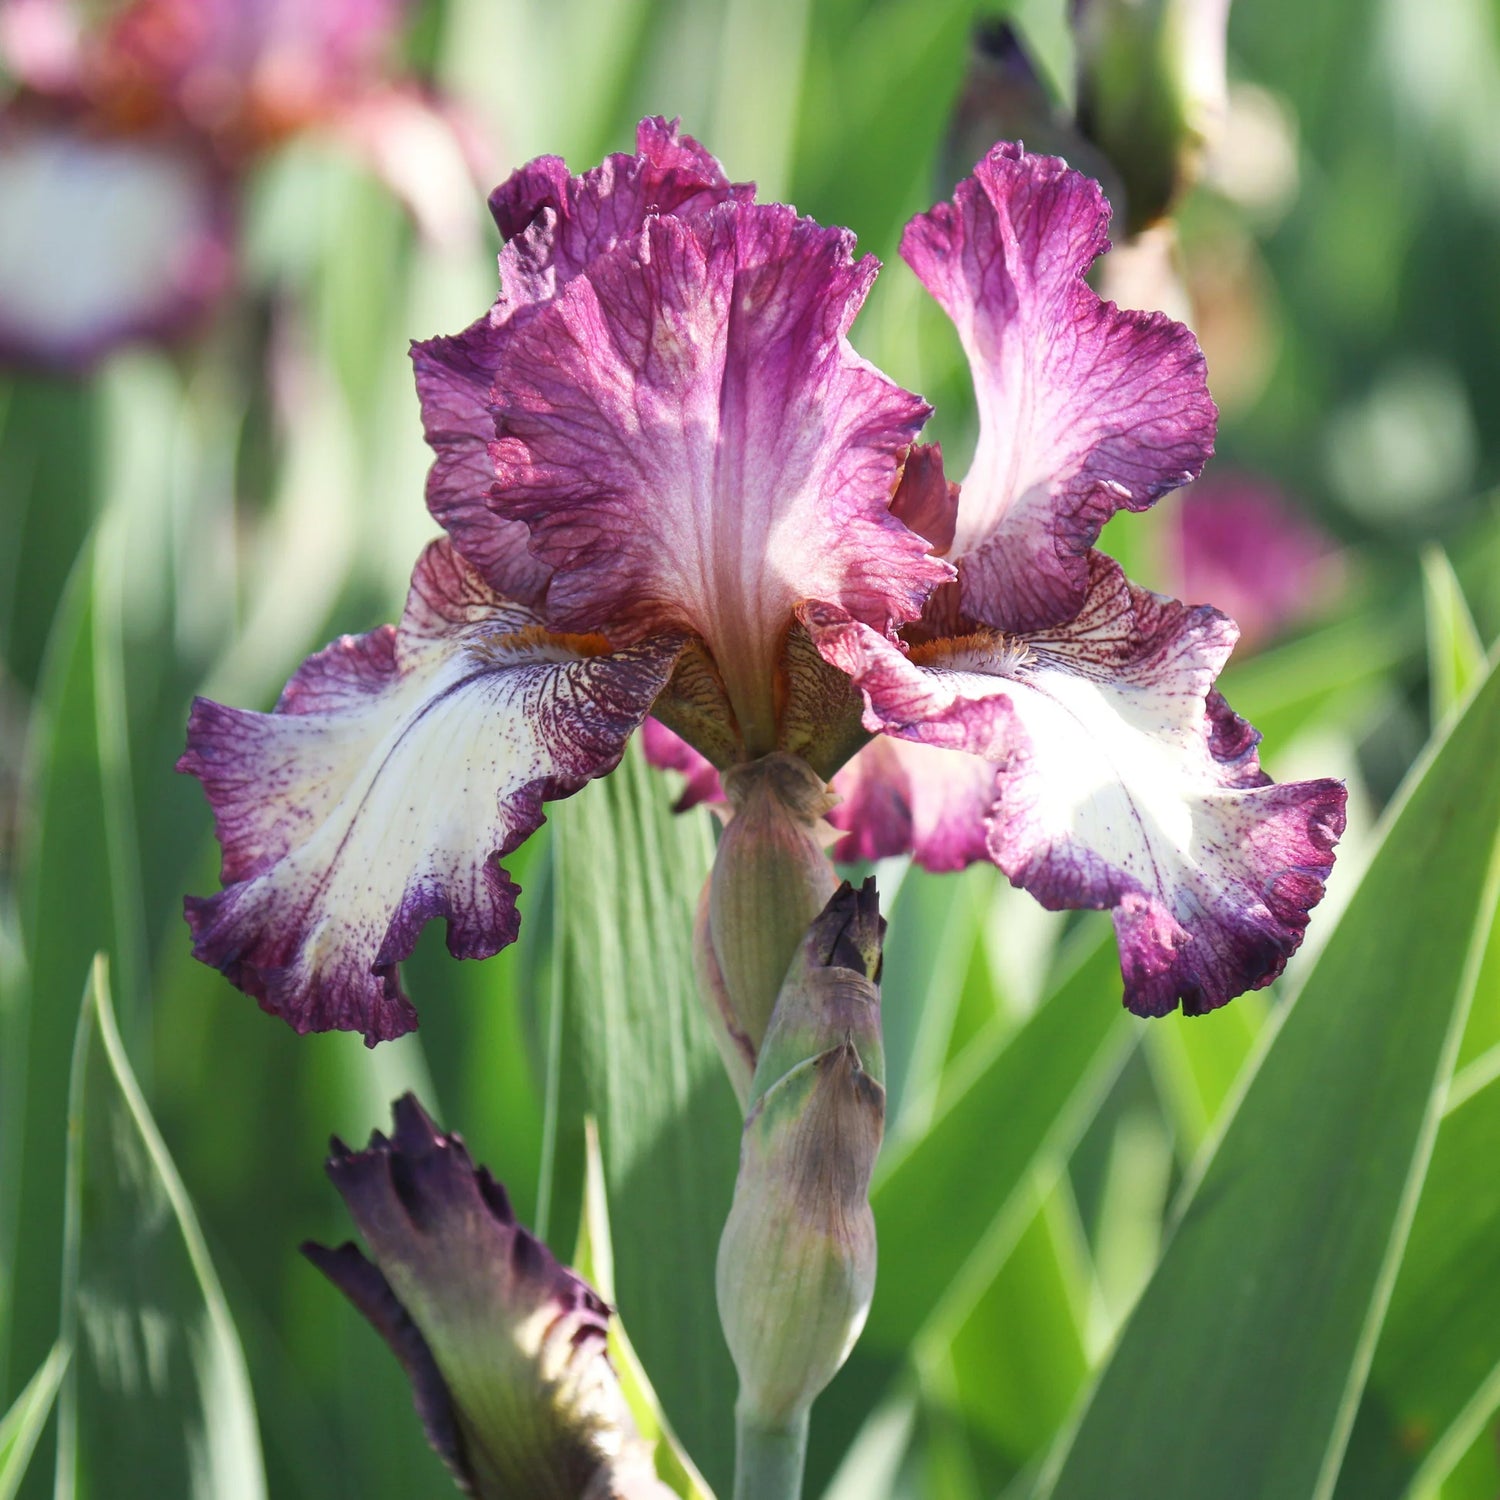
(1084, 409)
(554, 225)
(901, 797)
(397, 771)
(103, 241)
(693, 442)
(1124, 781)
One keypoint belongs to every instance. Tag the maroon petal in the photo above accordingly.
(554, 225)
(397, 771)
(694, 444)
(1124, 781)
(1084, 409)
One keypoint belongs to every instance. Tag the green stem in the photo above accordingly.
(768, 1458)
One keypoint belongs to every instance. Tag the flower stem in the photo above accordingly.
(769, 1458)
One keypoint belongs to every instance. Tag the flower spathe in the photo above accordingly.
(673, 487)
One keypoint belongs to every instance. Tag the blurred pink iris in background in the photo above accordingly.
(129, 133)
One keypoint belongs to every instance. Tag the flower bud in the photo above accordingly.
(796, 1265)
(770, 878)
(505, 1347)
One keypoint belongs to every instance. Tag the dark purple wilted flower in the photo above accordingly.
(122, 151)
(671, 486)
(504, 1347)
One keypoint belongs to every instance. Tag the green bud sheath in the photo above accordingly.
(771, 878)
(797, 1260)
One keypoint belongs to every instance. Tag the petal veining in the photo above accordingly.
(1124, 781)
(693, 442)
(397, 771)
(1084, 408)
(554, 224)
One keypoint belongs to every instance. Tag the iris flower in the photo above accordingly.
(671, 486)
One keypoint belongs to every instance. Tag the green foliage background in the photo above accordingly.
(1251, 1255)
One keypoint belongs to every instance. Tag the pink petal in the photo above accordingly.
(1083, 408)
(103, 241)
(396, 772)
(668, 751)
(693, 442)
(1124, 781)
(554, 226)
(900, 796)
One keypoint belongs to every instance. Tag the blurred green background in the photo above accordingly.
(198, 519)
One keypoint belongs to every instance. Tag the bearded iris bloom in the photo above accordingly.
(670, 486)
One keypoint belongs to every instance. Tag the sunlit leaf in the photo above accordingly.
(157, 1401)
(595, 1262)
(1239, 1371)
(22, 1425)
(1455, 653)
(637, 1055)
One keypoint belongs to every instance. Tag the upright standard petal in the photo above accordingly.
(1083, 408)
(692, 441)
(1124, 781)
(554, 225)
(396, 772)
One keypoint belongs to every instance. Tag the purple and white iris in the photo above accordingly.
(671, 485)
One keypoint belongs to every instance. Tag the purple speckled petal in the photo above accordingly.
(668, 751)
(902, 797)
(693, 442)
(1124, 781)
(554, 225)
(505, 1347)
(104, 240)
(397, 771)
(1084, 409)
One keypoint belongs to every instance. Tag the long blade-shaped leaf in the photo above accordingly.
(157, 1401)
(1238, 1374)
(22, 1425)
(1434, 1382)
(628, 874)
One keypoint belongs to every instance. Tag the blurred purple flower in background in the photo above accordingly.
(1236, 539)
(128, 136)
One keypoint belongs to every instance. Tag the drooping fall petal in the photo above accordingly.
(693, 442)
(1124, 781)
(554, 225)
(397, 771)
(1084, 409)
